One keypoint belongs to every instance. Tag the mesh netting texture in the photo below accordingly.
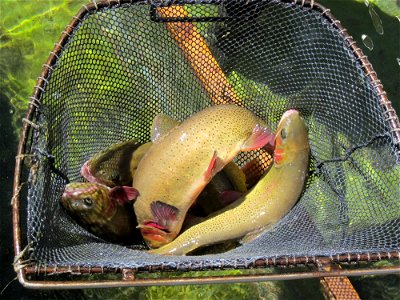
(122, 66)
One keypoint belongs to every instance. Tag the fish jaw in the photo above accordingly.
(155, 235)
(161, 227)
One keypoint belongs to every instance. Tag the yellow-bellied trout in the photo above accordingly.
(178, 166)
(266, 203)
(106, 212)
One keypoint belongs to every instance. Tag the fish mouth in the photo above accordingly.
(155, 235)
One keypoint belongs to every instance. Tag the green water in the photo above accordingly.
(28, 31)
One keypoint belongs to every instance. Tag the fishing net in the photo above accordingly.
(120, 64)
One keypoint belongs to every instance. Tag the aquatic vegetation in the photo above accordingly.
(271, 290)
(389, 7)
(29, 29)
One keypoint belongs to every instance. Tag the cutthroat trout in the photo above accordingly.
(266, 203)
(178, 166)
(104, 211)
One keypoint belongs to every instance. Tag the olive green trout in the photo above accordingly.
(266, 203)
(115, 165)
(106, 212)
(177, 167)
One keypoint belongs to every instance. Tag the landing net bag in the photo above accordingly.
(119, 64)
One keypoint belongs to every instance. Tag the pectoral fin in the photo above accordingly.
(162, 124)
(213, 168)
(261, 137)
(123, 194)
(163, 213)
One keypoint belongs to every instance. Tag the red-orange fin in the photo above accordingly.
(228, 197)
(261, 137)
(163, 213)
(123, 194)
(213, 167)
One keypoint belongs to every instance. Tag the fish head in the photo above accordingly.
(89, 202)
(291, 137)
(159, 228)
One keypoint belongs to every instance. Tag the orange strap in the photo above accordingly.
(198, 54)
(337, 288)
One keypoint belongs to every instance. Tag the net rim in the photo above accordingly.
(29, 127)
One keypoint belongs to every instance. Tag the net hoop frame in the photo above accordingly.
(128, 276)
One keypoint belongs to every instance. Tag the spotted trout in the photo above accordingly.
(106, 212)
(179, 165)
(266, 203)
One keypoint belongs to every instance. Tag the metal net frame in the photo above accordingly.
(119, 63)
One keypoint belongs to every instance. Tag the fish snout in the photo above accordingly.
(155, 235)
(290, 113)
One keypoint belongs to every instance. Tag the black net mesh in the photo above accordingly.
(123, 65)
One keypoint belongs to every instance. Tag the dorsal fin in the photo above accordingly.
(162, 124)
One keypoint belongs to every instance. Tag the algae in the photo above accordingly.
(28, 31)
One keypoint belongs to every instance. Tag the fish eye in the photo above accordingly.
(283, 133)
(88, 201)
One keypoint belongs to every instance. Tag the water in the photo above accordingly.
(367, 41)
(376, 20)
(28, 31)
